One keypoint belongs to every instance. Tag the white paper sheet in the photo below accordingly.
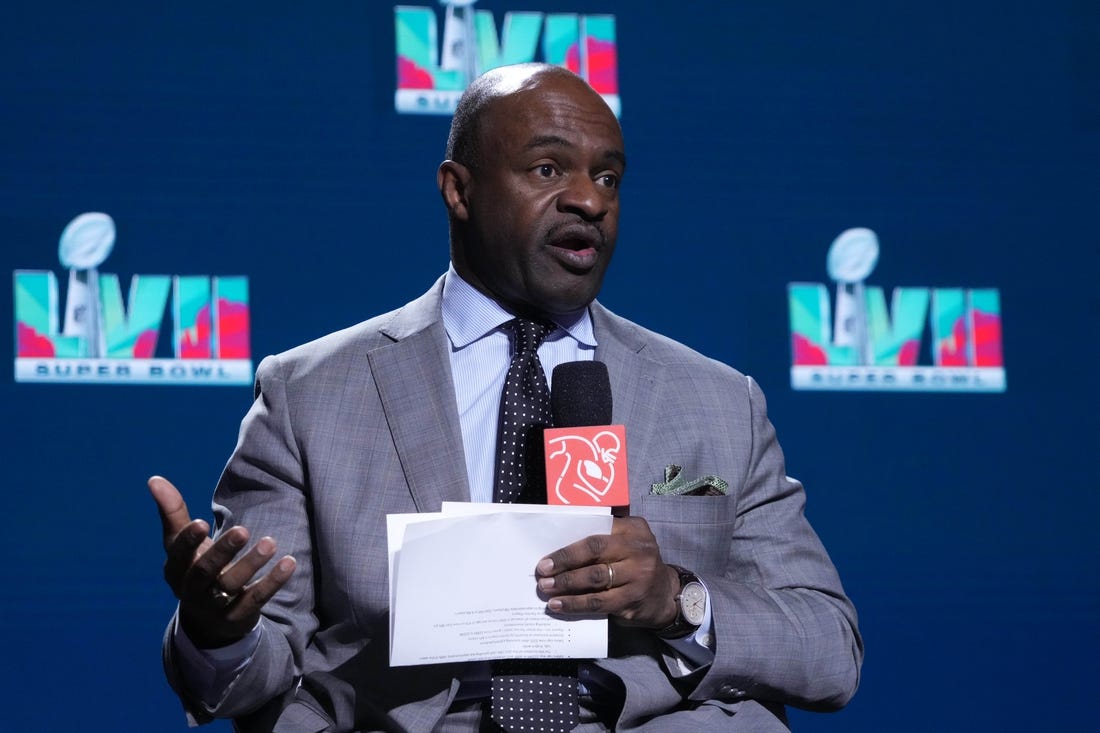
(462, 584)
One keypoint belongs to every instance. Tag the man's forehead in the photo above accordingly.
(539, 106)
(556, 104)
(539, 142)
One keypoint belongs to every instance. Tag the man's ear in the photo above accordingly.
(453, 180)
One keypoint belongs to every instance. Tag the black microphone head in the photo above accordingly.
(581, 394)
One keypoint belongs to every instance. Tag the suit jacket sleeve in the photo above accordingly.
(265, 480)
(785, 630)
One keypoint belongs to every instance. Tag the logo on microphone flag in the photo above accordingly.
(586, 466)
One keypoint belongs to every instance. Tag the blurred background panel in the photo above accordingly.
(253, 162)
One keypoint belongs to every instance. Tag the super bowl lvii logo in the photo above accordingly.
(431, 73)
(104, 339)
(860, 344)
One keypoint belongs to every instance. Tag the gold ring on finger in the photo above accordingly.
(221, 597)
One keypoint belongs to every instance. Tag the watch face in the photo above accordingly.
(693, 603)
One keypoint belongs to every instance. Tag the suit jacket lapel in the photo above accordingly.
(413, 375)
(634, 382)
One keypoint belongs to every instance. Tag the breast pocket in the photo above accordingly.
(693, 531)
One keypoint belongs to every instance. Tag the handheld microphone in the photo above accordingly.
(585, 455)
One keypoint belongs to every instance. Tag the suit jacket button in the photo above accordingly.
(729, 692)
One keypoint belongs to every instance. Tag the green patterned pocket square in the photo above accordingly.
(677, 485)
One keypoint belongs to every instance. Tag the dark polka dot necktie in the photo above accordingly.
(524, 412)
(528, 695)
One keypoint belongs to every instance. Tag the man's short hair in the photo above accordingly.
(463, 141)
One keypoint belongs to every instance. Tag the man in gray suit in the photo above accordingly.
(390, 416)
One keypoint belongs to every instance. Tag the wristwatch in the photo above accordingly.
(691, 605)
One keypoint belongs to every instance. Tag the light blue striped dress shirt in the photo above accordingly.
(480, 355)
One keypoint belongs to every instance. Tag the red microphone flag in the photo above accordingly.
(586, 466)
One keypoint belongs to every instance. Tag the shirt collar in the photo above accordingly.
(469, 314)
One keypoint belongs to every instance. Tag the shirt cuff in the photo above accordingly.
(209, 673)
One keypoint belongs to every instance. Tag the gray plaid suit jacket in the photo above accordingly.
(363, 422)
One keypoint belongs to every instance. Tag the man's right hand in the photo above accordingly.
(219, 600)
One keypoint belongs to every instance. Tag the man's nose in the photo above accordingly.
(584, 197)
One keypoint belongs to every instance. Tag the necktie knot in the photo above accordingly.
(527, 335)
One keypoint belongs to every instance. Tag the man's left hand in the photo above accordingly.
(620, 574)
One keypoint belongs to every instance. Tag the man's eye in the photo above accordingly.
(546, 170)
(609, 179)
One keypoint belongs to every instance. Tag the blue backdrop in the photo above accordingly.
(261, 139)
